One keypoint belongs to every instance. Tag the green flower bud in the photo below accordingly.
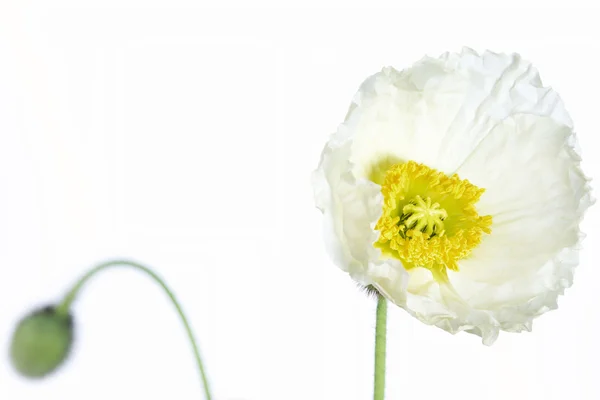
(41, 342)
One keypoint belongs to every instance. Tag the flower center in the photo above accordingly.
(421, 215)
(428, 219)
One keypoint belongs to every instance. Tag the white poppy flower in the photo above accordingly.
(454, 188)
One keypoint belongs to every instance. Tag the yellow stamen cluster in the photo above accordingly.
(429, 218)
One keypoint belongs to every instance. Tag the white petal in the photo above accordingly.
(439, 110)
(536, 194)
(351, 208)
(392, 117)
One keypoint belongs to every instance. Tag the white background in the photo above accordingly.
(184, 137)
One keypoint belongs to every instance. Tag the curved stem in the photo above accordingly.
(65, 306)
(380, 348)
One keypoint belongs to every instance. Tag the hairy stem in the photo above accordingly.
(380, 349)
(65, 306)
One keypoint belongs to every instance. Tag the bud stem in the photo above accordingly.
(380, 348)
(65, 305)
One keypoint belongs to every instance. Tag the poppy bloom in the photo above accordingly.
(454, 188)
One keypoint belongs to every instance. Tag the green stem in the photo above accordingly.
(380, 349)
(65, 306)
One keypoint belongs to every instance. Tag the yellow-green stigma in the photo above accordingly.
(429, 219)
(421, 215)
